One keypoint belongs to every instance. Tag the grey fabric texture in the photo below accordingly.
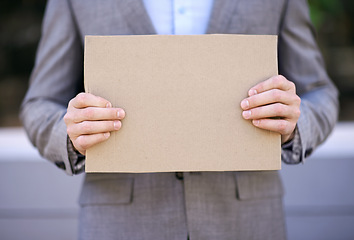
(213, 205)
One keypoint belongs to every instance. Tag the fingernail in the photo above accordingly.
(256, 122)
(246, 114)
(106, 135)
(120, 113)
(109, 105)
(117, 125)
(252, 92)
(245, 104)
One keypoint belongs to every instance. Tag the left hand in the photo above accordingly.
(273, 105)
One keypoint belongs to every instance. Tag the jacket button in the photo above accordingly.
(179, 175)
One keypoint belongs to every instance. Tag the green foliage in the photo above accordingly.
(321, 10)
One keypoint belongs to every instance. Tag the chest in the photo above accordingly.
(126, 17)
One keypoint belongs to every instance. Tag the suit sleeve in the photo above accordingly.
(301, 62)
(55, 79)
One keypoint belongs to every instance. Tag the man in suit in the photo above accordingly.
(63, 123)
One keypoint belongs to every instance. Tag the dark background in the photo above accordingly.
(20, 27)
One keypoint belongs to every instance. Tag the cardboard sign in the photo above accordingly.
(182, 99)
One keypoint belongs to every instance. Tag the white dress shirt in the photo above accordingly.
(180, 17)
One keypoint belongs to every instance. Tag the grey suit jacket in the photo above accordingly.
(223, 205)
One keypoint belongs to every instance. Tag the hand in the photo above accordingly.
(273, 105)
(90, 119)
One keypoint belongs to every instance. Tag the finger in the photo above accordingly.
(93, 127)
(83, 100)
(97, 114)
(276, 82)
(84, 142)
(281, 126)
(276, 110)
(268, 97)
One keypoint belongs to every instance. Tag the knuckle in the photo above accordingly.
(82, 142)
(81, 98)
(254, 112)
(277, 80)
(297, 113)
(278, 109)
(67, 118)
(292, 85)
(85, 127)
(276, 95)
(71, 102)
(282, 127)
(281, 78)
(297, 100)
(69, 130)
(80, 95)
(88, 113)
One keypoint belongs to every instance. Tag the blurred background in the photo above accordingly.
(37, 200)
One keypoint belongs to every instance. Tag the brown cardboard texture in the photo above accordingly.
(182, 99)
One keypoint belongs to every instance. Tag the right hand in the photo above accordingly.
(90, 119)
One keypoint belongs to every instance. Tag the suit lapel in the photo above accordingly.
(137, 17)
(139, 21)
(221, 16)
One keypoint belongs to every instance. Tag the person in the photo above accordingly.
(63, 122)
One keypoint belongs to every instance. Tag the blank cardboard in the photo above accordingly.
(182, 99)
